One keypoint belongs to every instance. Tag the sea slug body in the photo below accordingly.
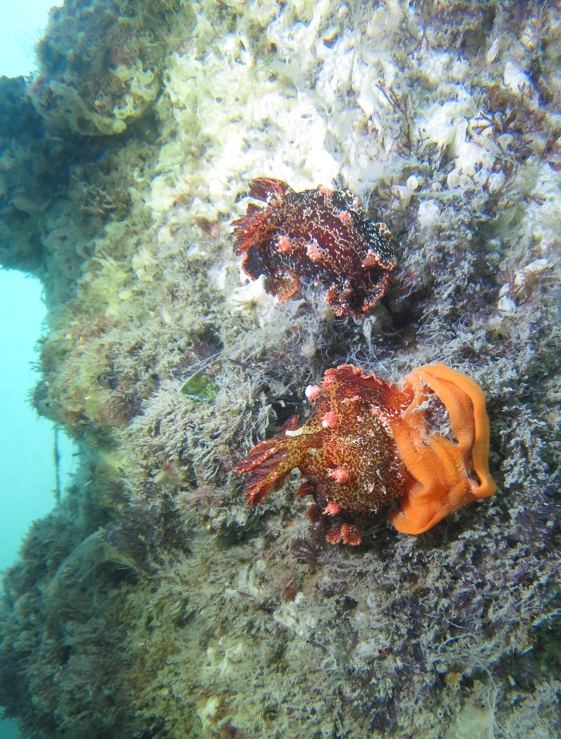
(423, 444)
(316, 235)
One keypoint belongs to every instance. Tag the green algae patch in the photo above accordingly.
(200, 388)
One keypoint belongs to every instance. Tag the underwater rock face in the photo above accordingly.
(321, 235)
(369, 442)
(153, 602)
(100, 62)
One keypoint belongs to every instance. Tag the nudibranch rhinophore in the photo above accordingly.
(316, 235)
(421, 446)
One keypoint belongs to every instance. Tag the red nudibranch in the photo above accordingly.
(316, 235)
(421, 447)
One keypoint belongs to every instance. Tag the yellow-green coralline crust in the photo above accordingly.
(101, 63)
(152, 602)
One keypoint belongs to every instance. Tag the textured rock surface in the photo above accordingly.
(101, 62)
(153, 602)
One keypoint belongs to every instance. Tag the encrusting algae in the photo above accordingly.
(368, 442)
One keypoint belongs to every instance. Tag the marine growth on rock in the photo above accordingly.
(421, 447)
(316, 235)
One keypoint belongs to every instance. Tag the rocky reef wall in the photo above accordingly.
(153, 602)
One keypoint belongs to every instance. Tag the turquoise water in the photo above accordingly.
(20, 27)
(26, 452)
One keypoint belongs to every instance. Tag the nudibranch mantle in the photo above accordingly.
(316, 235)
(423, 444)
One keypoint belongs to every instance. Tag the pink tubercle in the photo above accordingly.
(332, 508)
(314, 252)
(339, 474)
(330, 420)
(312, 392)
(284, 244)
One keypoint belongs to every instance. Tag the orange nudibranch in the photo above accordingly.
(421, 447)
